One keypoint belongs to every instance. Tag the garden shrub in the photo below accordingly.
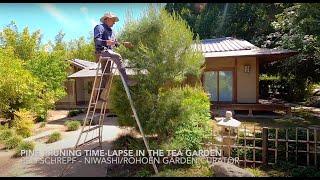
(289, 89)
(42, 124)
(13, 141)
(291, 169)
(2, 127)
(74, 112)
(186, 117)
(23, 123)
(200, 169)
(181, 115)
(305, 172)
(127, 141)
(72, 125)
(24, 145)
(143, 173)
(5, 134)
(177, 115)
(55, 136)
(255, 171)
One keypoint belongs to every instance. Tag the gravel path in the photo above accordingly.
(31, 166)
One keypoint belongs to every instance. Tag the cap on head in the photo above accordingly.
(109, 15)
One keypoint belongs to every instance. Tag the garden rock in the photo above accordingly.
(222, 169)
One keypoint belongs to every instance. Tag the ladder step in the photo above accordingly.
(86, 142)
(94, 116)
(99, 101)
(91, 129)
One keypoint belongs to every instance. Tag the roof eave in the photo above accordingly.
(270, 54)
(277, 57)
(77, 64)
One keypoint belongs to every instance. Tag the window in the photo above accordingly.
(219, 84)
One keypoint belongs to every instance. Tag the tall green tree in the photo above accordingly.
(81, 49)
(24, 44)
(297, 28)
(49, 67)
(248, 21)
(18, 87)
(162, 57)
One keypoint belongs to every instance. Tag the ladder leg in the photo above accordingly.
(90, 102)
(95, 93)
(96, 98)
(138, 121)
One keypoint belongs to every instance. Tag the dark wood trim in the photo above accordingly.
(252, 107)
(75, 94)
(219, 69)
(235, 80)
(257, 80)
(221, 102)
(218, 91)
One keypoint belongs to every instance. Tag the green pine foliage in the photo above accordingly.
(162, 57)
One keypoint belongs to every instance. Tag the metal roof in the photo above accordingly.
(219, 47)
(224, 45)
(82, 63)
(231, 47)
(92, 70)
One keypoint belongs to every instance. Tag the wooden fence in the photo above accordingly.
(255, 146)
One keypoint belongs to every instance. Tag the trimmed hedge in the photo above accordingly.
(72, 125)
(56, 136)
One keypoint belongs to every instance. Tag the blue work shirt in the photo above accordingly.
(102, 33)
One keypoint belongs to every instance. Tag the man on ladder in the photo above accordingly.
(103, 36)
(104, 39)
(104, 42)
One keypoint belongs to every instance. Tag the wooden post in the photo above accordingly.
(229, 141)
(276, 146)
(265, 146)
(238, 154)
(245, 146)
(315, 147)
(308, 148)
(296, 146)
(254, 146)
(250, 112)
(287, 145)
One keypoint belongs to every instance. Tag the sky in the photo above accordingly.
(74, 19)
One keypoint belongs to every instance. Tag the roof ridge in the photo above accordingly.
(228, 37)
(224, 44)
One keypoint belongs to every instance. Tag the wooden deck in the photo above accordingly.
(252, 107)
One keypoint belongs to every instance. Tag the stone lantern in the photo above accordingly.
(228, 126)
